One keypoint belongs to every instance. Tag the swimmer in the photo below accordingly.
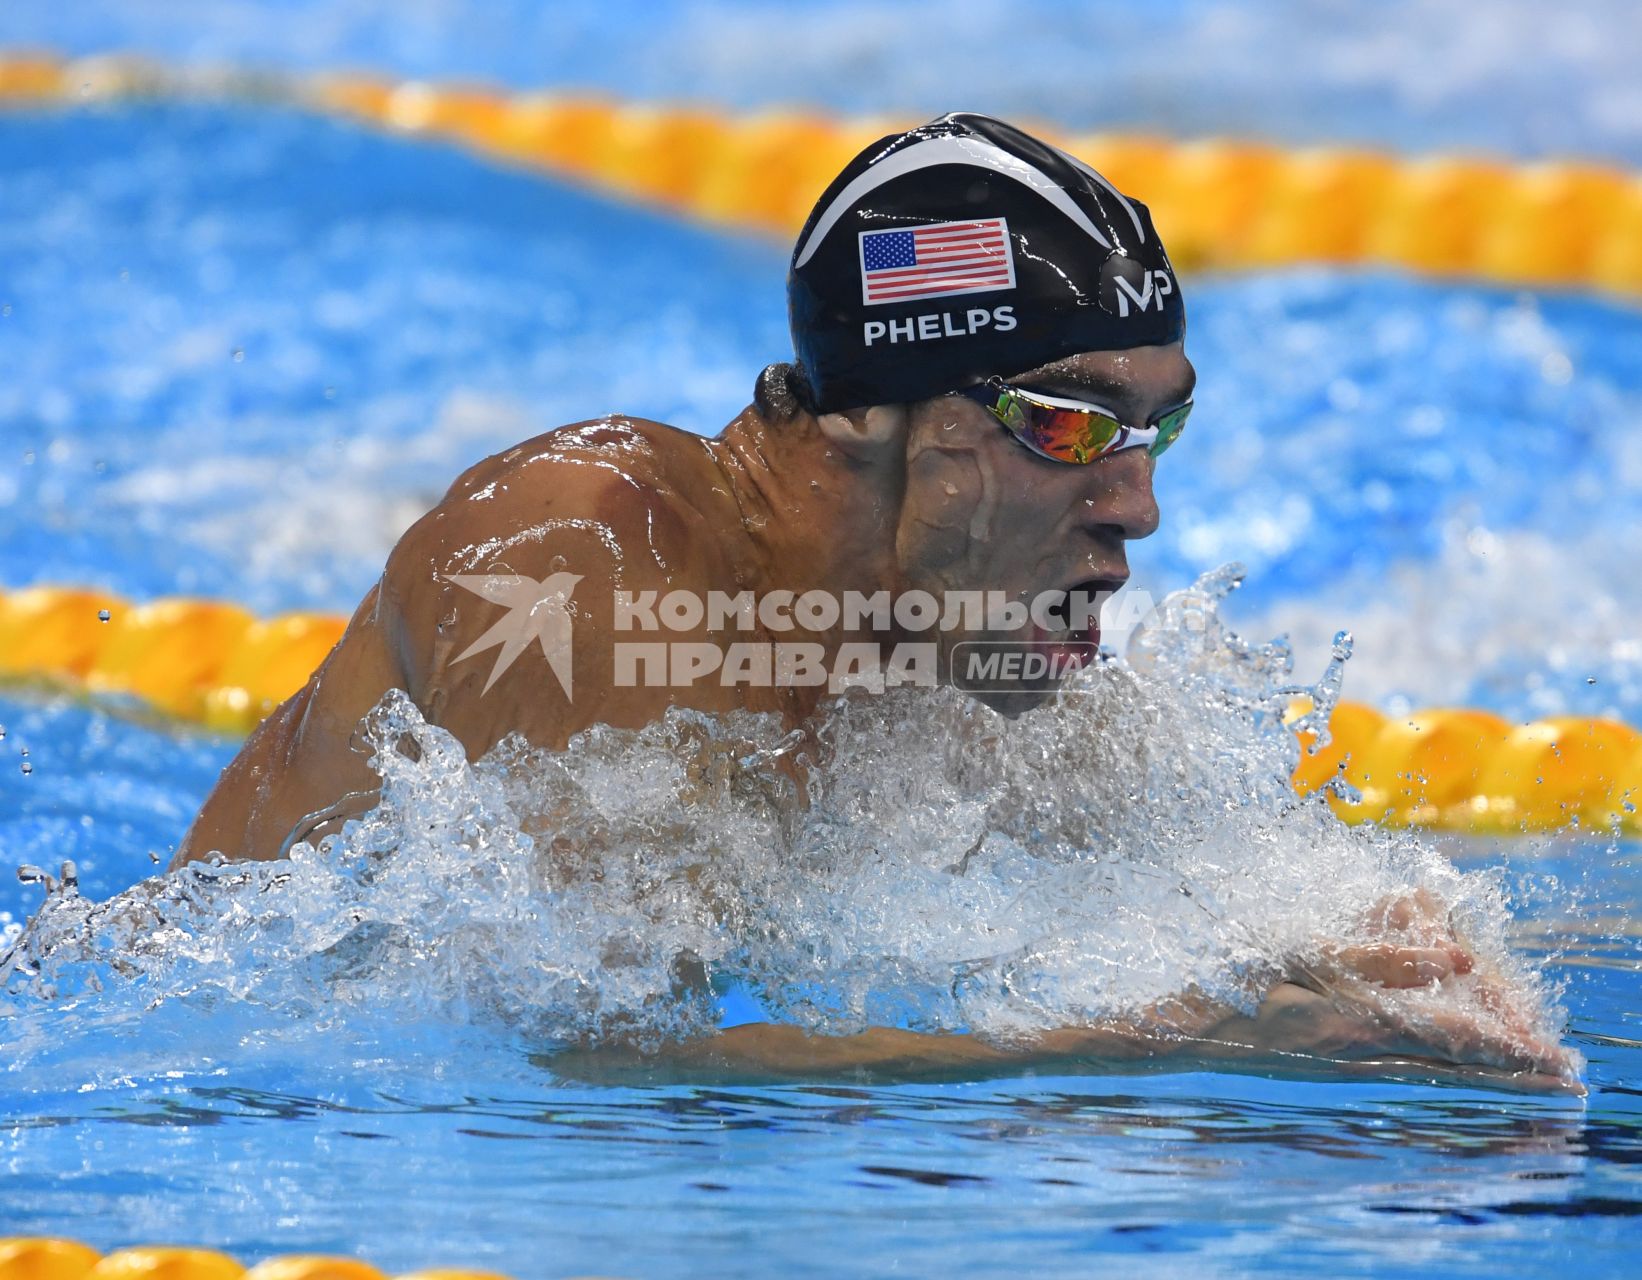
(989, 363)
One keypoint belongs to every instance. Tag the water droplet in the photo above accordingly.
(1590, 679)
(239, 355)
(2, 733)
(1556, 369)
(102, 615)
(27, 768)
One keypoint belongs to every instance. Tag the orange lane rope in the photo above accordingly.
(34, 1258)
(199, 660)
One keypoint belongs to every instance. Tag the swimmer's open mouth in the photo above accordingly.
(1075, 633)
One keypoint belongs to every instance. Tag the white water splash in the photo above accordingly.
(943, 868)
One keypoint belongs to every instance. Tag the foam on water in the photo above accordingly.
(1543, 630)
(937, 866)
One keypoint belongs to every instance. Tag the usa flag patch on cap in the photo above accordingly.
(941, 260)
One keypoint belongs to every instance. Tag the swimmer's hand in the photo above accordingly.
(1364, 1029)
(1417, 993)
(1417, 947)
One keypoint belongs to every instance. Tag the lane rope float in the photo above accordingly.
(203, 661)
(1227, 204)
(40, 1258)
(1452, 769)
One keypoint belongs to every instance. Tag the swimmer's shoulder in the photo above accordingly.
(593, 459)
(616, 489)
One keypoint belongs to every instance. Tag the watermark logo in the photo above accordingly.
(787, 639)
(989, 666)
(535, 611)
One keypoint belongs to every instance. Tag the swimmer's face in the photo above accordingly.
(983, 513)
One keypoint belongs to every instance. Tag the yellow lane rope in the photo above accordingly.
(1222, 204)
(197, 660)
(1448, 768)
(26, 1258)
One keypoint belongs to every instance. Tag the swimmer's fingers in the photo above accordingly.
(1359, 1023)
(1479, 1026)
(1299, 1032)
(1390, 964)
(1499, 1017)
(1419, 912)
(1418, 1070)
(1501, 1044)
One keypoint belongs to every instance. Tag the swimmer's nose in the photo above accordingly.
(1122, 496)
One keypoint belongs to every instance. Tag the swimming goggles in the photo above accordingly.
(1070, 430)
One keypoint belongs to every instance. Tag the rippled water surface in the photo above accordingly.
(1050, 1175)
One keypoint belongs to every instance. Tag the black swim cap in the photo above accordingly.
(966, 249)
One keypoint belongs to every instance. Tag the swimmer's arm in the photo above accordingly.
(302, 772)
(1338, 1017)
(1342, 1013)
(1290, 1019)
(1294, 1032)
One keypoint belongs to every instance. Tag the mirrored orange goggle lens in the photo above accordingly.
(1073, 435)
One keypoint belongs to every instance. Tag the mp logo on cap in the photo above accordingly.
(1156, 285)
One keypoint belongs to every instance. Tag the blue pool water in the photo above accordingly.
(240, 350)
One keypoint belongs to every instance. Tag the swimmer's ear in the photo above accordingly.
(868, 435)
